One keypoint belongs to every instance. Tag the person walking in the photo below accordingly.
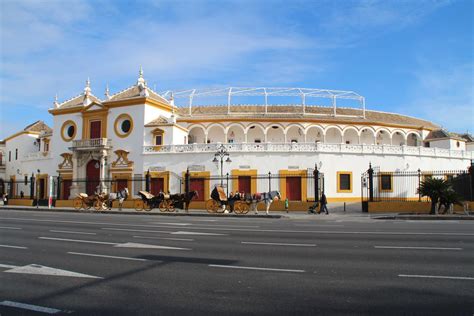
(324, 203)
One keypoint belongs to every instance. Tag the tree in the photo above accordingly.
(434, 189)
(449, 197)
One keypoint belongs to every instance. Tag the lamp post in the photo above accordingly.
(221, 153)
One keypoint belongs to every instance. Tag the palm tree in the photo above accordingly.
(434, 189)
(448, 198)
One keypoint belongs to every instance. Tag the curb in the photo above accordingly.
(67, 210)
(427, 217)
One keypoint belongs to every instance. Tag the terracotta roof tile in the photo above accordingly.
(77, 101)
(38, 126)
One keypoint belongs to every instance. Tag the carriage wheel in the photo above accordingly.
(237, 207)
(138, 204)
(163, 206)
(244, 208)
(77, 203)
(171, 206)
(99, 205)
(212, 206)
(146, 206)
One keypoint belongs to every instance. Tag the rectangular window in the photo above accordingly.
(46, 147)
(158, 140)
(16, 154)
(386, 182)
(344, 182)
(95, 129)
(258, 140)
(9, 155)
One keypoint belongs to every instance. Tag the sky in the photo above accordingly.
(409, 57)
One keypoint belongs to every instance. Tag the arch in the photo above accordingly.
(367, 135)
(413, 139)
(235, 133)
(383, 137)
(295, 133)
(216, 134)
(197, 134)
(275, 133)
(399, 137)
(314, 134)
(255, 133)
(333, 134)
(350, 135)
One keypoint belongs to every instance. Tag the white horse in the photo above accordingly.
(119, 196)
(266, 197)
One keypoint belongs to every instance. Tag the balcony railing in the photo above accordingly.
(312, 147)
(86, 144)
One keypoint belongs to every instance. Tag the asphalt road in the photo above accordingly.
(157, 265)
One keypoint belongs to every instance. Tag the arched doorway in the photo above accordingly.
(93, 176)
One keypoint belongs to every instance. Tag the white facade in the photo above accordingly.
(133, 121)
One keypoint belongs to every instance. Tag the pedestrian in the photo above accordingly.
(324, 202)
(22, 194)
(5, 199)
(287, 204)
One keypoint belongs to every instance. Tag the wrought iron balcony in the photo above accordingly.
(91, 144)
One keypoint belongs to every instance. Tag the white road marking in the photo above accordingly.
(137, 245)
(43, 270)
(421, 248)
(164, 238)
(196, 233)
(9, 266)
(317, 225)
(9, 227)
(71, 232)
(35, 308)
(259, 230)
(277, 244)
(120, 245)
(105, 256)
(17, 247)
(177, 224)
(78, 240)
(138, 230)
(435, 277)
(255, 268)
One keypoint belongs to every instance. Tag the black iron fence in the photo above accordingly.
(297, 186)
(379, 185)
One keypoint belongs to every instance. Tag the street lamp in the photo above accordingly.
(36, 185)
(221, 153)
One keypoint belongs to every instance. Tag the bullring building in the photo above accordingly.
(277, 133)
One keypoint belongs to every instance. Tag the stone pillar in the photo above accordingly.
(103, 165)
(75, 189)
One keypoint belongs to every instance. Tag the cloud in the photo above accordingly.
(445, 96)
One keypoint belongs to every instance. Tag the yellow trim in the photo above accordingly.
(21, 133)
(200, 174)
(123, 116)
(253, 179)
(339, 184)
(391, 181)
(165, 175)
(46, 142)
(300, 120)
(66, 124)
(122, 176)
(158, 132)
(425, 176)
(292, 173)
(46, 188)
(96, 115)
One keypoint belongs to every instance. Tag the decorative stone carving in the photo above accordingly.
(67, 161)
(122, 159)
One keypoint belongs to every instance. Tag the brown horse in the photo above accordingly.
(183, 199)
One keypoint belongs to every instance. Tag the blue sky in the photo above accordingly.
(408, 57)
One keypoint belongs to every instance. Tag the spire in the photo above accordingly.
(87, 93)
(172, 99)
(56, 103)
(141, 80)
(107, 92)
(173, 117)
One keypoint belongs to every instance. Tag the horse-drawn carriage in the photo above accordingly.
(220, 203)
(86, 202)
(240, 203)
(101, 201)
(164, 202)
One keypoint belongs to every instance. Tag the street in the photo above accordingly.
(98, 264)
